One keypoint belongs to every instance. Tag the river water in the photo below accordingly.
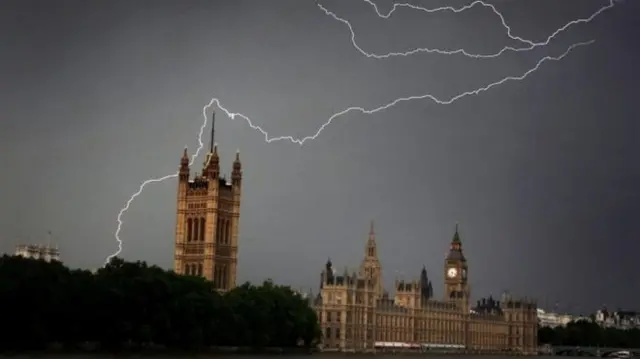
(258, 356)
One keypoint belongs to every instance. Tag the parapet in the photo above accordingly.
(522, 303)
(407, 286)
(488, 306)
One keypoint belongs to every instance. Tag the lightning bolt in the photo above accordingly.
(530, 45)
(301, 141)
(363, 110)
(156, 180)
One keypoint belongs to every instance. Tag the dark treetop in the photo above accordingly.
(135, 305)
(586, 333)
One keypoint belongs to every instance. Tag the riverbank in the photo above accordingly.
(160, 352)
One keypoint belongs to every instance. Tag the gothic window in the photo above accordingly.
(186, 269)
(196, 229)
(218, 230)
(224, 231)
(189, 229)
(200, 269)
(202, 222)
(228, 231)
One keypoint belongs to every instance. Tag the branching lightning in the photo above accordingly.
(155, 180)
(529, 45)
(449, 101)
(301, 141)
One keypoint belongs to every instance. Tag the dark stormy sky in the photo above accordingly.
(541, 174)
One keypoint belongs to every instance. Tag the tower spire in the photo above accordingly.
(371, 250)
(213, 131)
(456, 236)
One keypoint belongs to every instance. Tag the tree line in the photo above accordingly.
(586, 333)
(134, 305)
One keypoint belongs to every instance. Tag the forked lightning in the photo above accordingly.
(529, 44)
(301, 141)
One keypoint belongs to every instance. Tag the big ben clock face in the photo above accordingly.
(452, 272)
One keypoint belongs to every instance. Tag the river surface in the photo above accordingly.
(258, 356)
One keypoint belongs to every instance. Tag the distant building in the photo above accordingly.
(553, 320)
(37, 251)
(617, 319)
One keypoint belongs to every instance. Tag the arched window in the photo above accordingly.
(186, 269)
(199, 269)
(218, 230)
(228, 231)
(189, 229)
(202, 222)
(223, 236)
(223, 240)
(196, 229)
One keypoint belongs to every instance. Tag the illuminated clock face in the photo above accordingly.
(452, 272)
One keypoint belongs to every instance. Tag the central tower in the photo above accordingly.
(208, 211)
(370, 267)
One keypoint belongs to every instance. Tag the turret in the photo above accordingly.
(426, 289)
(183, 173)
(181, 219)
(236, 174)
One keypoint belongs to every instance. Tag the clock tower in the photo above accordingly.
(455, 274)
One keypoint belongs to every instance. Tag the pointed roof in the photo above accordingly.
(371, 242)
(456, 236)
(184, 160)
(455, 253)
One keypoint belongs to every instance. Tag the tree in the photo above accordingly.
(587, 333)
(133, 305)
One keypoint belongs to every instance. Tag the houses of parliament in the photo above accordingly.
(208, 211)
(357, 314)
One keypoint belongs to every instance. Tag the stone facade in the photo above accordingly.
(356, 314)
(208, 211)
